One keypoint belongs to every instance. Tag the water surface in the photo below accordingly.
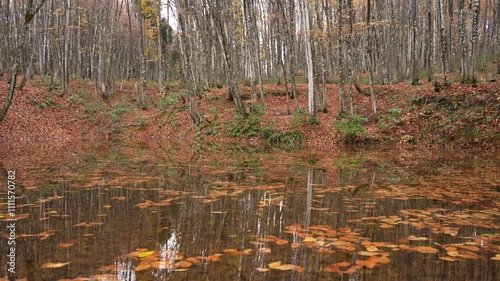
(258, 215)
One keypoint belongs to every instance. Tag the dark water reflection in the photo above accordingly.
(224, 217)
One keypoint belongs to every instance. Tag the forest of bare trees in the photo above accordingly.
(230, 42)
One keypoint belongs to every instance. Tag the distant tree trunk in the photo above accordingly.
(227, 51)
(310, 67)
(186, 52)
(28, 17)
(497, 26)
(414, 52)
(444, 46)
(142, 58)
(370, 59)
(475, 32)
(486, 27)
(65, 62)
(430, 40)
(160, 51)
(463, 44)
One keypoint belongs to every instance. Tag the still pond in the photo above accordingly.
(251, 214)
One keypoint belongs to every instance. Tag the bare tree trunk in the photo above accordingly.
(370, 59)
(497, 26)
(414, 52)
(475, 32)
(444, 48)
(65, 64)
(160, 51)
(310, 68)
(28, 16)
(463, 44)
(142, 58)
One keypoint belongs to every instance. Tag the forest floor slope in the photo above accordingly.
(459, 116)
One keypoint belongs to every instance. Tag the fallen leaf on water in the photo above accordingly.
(180, 269)
(120, 198)
(447, 258)
(426, 250)
(54, 265)
(295, 245)
(230, 251)
(280, 242)
(332, 269)
(367, 254)
(142, 266)
(214, 258)
(183, 264)
(108, 267)
(262, 269)
(342, 264)
(279, 266)
(298, 268)
(496, 257)
(194, 261)
(65, 245)
(414, 238)
(382, 259)
(264, 250)
(145, 254)
(310, 239)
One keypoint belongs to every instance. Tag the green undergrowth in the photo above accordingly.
(241, 127)
(351, 128)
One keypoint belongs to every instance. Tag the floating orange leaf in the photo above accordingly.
(142, 266)
(426, 250)
(281, 242)
(447, 258)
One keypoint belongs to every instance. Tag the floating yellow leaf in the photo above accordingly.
(264, 250)
(262, 269)
(54, 265)
(277, 265)
(496, 257)
(310, 239)
(65, 245)
(145, 254)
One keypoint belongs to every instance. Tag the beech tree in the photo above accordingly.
(29, 13)
(230, 42)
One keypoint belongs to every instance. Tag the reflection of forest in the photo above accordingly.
(326, 210)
